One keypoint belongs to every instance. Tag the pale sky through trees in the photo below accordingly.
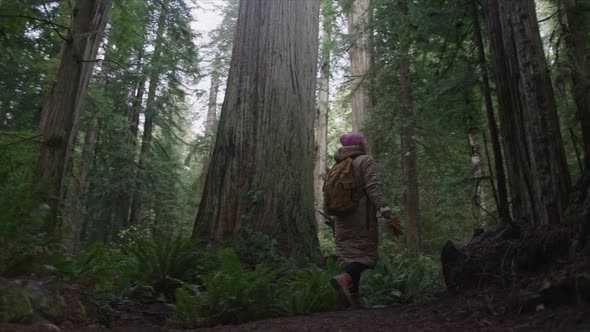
(208, 15)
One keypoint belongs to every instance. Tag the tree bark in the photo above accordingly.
(360, 64)
(549, 167)
(408, 144)
(262, 165)
(510, 112)
(60, 115)
(535, 157)
(580, 70)
(72, 237)
(150, 113)
(323, 108)
(502, 199)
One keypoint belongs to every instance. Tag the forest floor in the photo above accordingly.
(485, 309)
(475, 310)
(555, 296)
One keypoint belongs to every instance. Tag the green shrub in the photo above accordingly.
(21, 211)
(253, 247)
(308, 290)
(96, 268)
(234, 294)
(186, 308)
(399, 278)
(162, 263)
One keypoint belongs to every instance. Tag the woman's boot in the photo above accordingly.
(342, 284)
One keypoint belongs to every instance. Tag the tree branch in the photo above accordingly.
(38, 20)
(53, 24)
(22, 139)
(106, 60)
(549, 17)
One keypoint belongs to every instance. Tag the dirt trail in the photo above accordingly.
(483, 310)
(486, 309)
(449, 314)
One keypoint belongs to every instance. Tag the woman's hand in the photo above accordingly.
(394, 225)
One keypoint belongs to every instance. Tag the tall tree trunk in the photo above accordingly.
(128, 161)
(61, 109)
(408, 144)
(360, 64)
(323, 108)
(212, 104)
(478, 198)
(580, 71)
(72, 236)
(479, 193)
(262, 165)
(510, 112)
(532, 141)
(150, 113)
(549, 167)
(502, 199)
(146, 140)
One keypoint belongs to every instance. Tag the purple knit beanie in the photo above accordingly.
(351, 139)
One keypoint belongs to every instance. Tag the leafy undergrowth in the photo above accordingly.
(144, 284)
(559, 305)
(183, 286)
(486, 308)
(233, 294)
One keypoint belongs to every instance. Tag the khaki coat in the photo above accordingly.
(357, 236)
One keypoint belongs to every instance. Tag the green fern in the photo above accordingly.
(186, 307)
(161, 262)
(308, 290)
(234, 294)
(399, 278)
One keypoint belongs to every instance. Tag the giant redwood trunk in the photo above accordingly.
(549, 167)
(323, 107)
(61, 109)
(408, 145)
(539, 178)
(261, 170)
(360, 64)
(510, 110)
